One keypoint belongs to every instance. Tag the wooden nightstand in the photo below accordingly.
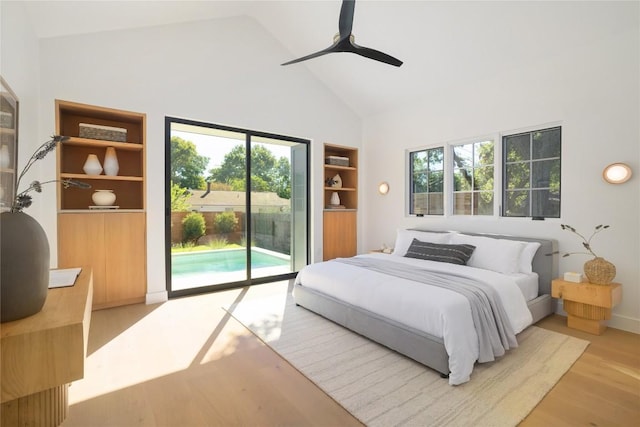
(588, 306)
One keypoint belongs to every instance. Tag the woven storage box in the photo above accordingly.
(107, 133)
(337, 160)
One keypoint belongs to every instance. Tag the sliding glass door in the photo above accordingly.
(237, 204)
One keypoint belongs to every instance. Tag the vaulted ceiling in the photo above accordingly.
(444, 44)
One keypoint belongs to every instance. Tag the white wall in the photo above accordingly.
(19, 68)
(593, 90)
(223, 71)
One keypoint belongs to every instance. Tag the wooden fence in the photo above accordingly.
(269, 230)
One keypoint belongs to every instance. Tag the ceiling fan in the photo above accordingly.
(344, 40)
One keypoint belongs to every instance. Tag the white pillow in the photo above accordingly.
(499, 255)
(526, 257)
(405, 237)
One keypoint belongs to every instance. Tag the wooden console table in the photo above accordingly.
(588, 306)
(43, 353)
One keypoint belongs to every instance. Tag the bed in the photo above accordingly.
(371, 294)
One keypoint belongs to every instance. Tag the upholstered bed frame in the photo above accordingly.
(422, 347)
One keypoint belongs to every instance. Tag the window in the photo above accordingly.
(531, 174)
(427, 182)
(473, 170)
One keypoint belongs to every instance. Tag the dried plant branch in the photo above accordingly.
(23, 200)
(586, 242)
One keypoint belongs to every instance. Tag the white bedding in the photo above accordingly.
(528, 284)
(436, 311)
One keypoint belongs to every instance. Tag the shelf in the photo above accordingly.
(83, 142)
(7, 170)
(81, 177)
(339, 189)
(128, 184)
(342, 168)
(98, 211)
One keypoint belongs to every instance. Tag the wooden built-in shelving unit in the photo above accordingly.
(339, 224)
(111, 241)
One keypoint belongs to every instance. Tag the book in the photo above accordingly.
(61, 278)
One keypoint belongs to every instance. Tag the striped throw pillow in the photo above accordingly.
(454, 254)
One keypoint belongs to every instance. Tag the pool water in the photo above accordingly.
(223, 261)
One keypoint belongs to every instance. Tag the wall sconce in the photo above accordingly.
(617, 173)
(383, 188)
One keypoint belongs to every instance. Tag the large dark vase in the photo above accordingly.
(24, 258)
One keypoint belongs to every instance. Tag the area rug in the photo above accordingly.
(383, 388)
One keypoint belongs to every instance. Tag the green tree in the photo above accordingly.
(179, 198)
(187, 166)
(282, 178)
(233, 167)
(257, 184)
(193, 227)
(267, 172)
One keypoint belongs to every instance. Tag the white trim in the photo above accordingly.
(526, 129)
(156, 297)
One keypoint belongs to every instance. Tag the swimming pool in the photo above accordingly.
(193, 269)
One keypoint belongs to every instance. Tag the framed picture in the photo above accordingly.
(8, 145)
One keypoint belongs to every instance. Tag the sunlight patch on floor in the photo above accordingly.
(169, 339)
(270, 299)
(173, 337)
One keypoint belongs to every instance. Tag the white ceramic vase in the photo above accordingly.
(111, 165)
(335, 199)
(103, 197)
(92, 165)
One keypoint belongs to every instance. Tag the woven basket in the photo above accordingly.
(599, 271)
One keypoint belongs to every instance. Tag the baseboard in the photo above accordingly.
(617, 321)
(625, 323)
(157, 297)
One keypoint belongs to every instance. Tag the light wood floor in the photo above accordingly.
(188, 363)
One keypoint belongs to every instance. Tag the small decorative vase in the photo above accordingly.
(337, 181)
(103, 197)
(335, 199)
(599, 271)
(24, 277)
(92, 165)
(111, 165)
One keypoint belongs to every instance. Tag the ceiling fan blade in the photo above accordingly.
(343, 42)
(375, 55)
(311, 56)
(345, 23)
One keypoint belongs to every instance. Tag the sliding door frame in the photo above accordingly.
(249, 134)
